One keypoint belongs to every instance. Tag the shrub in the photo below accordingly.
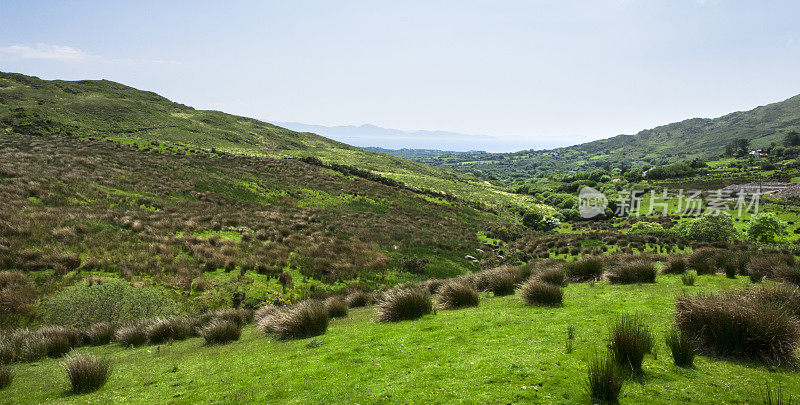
(681, 347)
(753, 325)
(709, 228)
(403, 304)
(457, 294)
(637, 271)
(651, 228)
(765, 227)
(359, 299)
(114, 301)
(5, 376)
(688, 279)
(604, 380)
(501, 282)
(336, 306)
(630, 342)
(676, 264)
(304, 320)
(220, 331)
(585, 269)
(132, 335)
(99, 334)
(86, 373)
(553, 275)
(536, 292)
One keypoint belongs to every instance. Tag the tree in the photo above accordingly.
(539, 222)
(765, 227)
(791, 139)
(738, 147)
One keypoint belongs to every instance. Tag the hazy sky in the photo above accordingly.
(551, 72)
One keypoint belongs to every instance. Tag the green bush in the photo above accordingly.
(650, 228)
(114, 301)
(688, 279)
(709, 228)
(86, 373)
(765, 227)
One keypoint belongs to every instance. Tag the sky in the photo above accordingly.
(532, 73)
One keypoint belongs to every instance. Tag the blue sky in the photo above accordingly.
(538, 72)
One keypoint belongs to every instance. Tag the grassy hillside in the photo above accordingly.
(498, 352)
(108, 110)
(698, 137)
(205, 227)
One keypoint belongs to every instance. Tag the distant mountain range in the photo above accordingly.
(369, 135)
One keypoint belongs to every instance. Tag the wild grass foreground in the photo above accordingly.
(501, 351)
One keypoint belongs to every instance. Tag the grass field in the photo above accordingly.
(498, 352)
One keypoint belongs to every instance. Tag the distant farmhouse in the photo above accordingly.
(758, 153)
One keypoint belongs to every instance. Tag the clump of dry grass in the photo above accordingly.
(403, 304)
(458, 294)
(86, 373)
(306, 319)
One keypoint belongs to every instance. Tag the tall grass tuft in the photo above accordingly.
(358, 299)
(553, 275)
(682, 348)
(604, 381)
(586, 269)
(758, 325)
(535, 292)
(676, 264)
(131, 335)
(637, 271)
(5, 376)
(306, 319)
(336, 306)
(402, 304)
(630, 342)
(99, 333)
(457, 294)
(86, 373)
(688, 279)
(220, 331)
(777, 397)
(703, 261)
(501, 282)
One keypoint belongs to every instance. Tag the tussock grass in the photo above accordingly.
(630, 341)
(458, 294)
(359, 299)
(131, 335)
(402, 304)
(586, 269)
(86, 373)
(336, 306)
(220, 331)
(676, 264)
(306, 319)
(99, 334)
(604, 382)
(636, 271)
(556, 276)
(6, 377)
(537, 292)
(758, 325)
(681, 347)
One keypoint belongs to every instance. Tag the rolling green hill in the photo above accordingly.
(693, 138)
(108, 110)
